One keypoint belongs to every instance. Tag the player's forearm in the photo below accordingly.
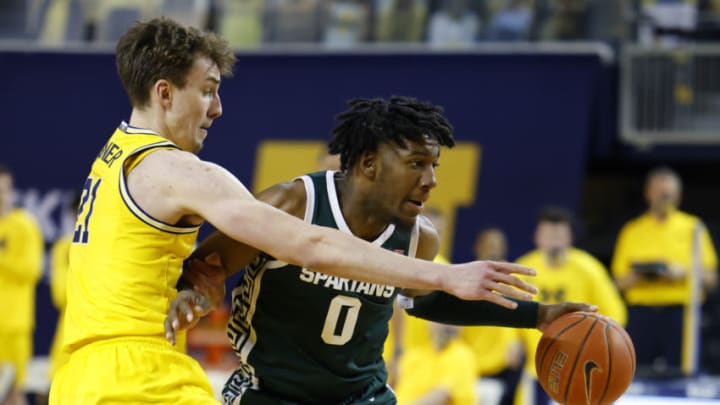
(445, 308)
(342, 255)
(326, 250)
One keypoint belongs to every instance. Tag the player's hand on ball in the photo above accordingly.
(549, 312)
(207, 278)
(185, 310)
(487, 280)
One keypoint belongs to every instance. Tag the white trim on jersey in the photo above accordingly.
(125, 127)
(338, 215)
(414, 239)
(309, 198)
(137, 211)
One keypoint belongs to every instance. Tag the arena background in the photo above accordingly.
(536, 125)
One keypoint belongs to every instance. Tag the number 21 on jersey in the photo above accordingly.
(85, 210)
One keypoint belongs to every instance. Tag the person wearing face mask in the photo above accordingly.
(658, 258)
(564, 273)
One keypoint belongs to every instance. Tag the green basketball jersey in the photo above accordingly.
(306, 337)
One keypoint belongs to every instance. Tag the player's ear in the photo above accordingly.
(163, 91)
(368, 164)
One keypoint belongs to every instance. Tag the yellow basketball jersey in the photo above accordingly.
(124, 264)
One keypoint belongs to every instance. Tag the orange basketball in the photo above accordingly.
(585, 358)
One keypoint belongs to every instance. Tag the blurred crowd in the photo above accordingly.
(347, 23)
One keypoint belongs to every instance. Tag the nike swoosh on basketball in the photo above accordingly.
(590, 366)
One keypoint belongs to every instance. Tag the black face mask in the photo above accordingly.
(555, 253)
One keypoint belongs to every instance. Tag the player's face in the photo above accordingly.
(194, 107)
(6, 191)
(491, 245)
(405, 177)
(553, 238)
(663, 193)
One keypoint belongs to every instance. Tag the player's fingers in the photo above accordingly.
(511, 292)
(515, 282)
(169, 330)
(500, 300)
(185, 313)
(508, 268)
(214, 259)
(201, 305)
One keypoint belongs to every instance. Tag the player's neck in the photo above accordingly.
(146, 119)
(359, 210)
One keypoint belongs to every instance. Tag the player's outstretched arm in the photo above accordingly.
(204, 189)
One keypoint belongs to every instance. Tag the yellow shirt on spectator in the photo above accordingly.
(581, 278)
(21, 257)
(415, 330)
(59, 259)
(491, 346)
(424, 369)
(645, 239)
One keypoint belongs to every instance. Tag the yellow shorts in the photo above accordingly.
(126, 371)
(16, 348)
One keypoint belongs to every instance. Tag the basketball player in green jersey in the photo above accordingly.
(304, 337)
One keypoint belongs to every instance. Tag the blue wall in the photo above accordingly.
(531, 113)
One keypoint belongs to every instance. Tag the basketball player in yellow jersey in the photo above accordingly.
(565, 273)
(146, 196)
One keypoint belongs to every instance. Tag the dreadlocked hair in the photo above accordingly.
(369, 123)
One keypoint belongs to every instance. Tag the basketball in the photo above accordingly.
(585, 358)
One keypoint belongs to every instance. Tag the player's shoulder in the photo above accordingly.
(427, 230)
(290, 196)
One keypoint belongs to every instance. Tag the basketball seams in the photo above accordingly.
(554, 340)
(577, 358)
(608, 326)
(629, 346)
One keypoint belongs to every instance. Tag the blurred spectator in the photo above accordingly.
(439, 374)
(510, 20)
(658, 256)
(566, 20)
(564, 273)
(111, 18)
(708, 20)
(347, 22)
(292, 21)
(666, 22)
(62, 22)
(400, 20)
(241, 22)
(14, 15)
(498, 351)
(194, 13)
(21, 253)
(59, 260)
(455, 23)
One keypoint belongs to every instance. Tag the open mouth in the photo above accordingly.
(417, 203)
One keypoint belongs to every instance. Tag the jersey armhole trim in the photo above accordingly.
(414, 239)
(135, 208)
(309, 197)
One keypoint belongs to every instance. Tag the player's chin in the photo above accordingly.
(405, 221)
